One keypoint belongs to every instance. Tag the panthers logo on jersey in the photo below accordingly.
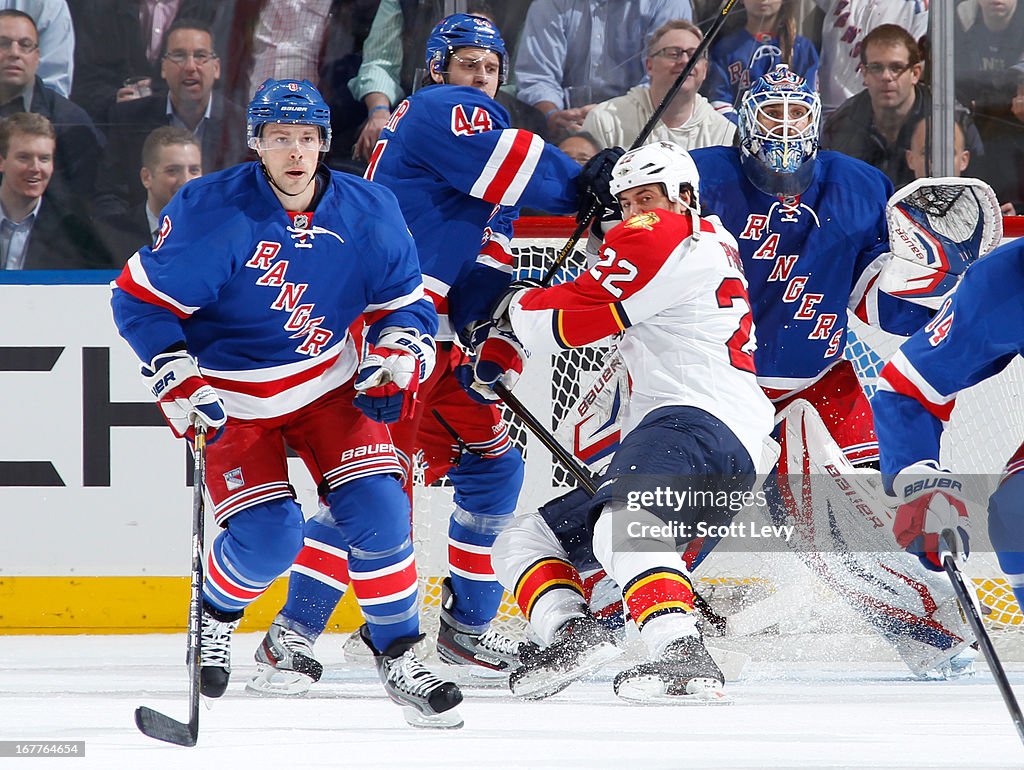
(645, 221)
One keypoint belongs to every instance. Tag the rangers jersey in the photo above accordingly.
(459, 173)
(807, 258)
(740, 59)
(977, 332)
(843, 29)
(263, 298)
(679, 298)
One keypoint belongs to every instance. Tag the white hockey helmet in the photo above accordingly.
(661, 163)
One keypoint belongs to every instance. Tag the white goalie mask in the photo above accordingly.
(661, 163)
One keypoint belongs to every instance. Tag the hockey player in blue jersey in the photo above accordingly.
(240, 313)
(812, 233)
(459, 173)
(975, 335)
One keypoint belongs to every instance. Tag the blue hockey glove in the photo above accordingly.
(594, 182)
(183, 395)
(390, 374)
(498, 356)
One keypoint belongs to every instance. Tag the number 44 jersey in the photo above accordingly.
(673, 286)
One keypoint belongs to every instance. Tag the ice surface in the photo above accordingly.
(789, 715)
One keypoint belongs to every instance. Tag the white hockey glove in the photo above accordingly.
(497, 356)
(499, 313)
(931, 502)
(938, 227)
(391, 372)
(183, 395)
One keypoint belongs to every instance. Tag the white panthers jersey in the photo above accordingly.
(672, 285)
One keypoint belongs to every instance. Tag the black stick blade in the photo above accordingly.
(163, 728)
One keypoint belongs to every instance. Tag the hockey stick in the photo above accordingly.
(970, 608)
(153, 723)
(584, 223)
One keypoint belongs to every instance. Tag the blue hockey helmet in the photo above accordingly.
(287, 101)
(463, 30)
(779, 119)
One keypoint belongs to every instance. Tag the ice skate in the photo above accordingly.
(284, 664)
(489, 655)
(426, 700)
(215, 650)
(580, 647)
(686, 673)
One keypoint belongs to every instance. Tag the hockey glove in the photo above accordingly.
(594, 182)
(497, 357)
(391, 372)
(931, 502)
(499, 313)
(183, 395)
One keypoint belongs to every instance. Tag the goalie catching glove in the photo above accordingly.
(390, 374)
(497, 356)
(931, 502)
(183, 395)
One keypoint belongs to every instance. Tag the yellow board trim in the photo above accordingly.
(129, 605)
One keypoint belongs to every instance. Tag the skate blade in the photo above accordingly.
(269, 682)
(650, 690)
(446, 720)
(546, 682)
(473, 676)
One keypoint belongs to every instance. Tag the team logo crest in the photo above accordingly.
(233, 479)
(293, 86)
(645, 221)
(301, 221)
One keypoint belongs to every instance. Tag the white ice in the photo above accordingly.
(785, 715)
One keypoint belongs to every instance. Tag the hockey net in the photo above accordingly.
(987, 425)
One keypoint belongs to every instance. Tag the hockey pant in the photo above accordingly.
(1006, 523)
(538, 557)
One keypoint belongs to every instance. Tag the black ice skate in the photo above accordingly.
(686, 673)
(426, 700)
(284, 664)
(215, 650)
(580, 647)
(490, 654)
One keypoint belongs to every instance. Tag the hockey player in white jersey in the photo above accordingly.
(976, 334)
(672, 285)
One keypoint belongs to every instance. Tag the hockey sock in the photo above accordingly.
(319, 579)
(550, 592)
(477, 591)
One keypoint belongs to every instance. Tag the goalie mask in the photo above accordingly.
(937, 228)
(663, 163)
(463, 30)
(779, 118)
(295, 102)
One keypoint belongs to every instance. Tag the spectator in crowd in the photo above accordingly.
(118, 45)
(876, 125)
(393, 65)
(1003, 163)
(919, 153)
(171, 157)
(38, 231)
(689, 121)
(843, 27)
(56, 40)
(21, 90)
(987, 43)
(575, 53)
(580, 146)
(768, 38)
(190, 67)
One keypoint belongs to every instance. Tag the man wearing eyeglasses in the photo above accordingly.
(689, 120)
(21, 90)
(877, 124)
(190, 66)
